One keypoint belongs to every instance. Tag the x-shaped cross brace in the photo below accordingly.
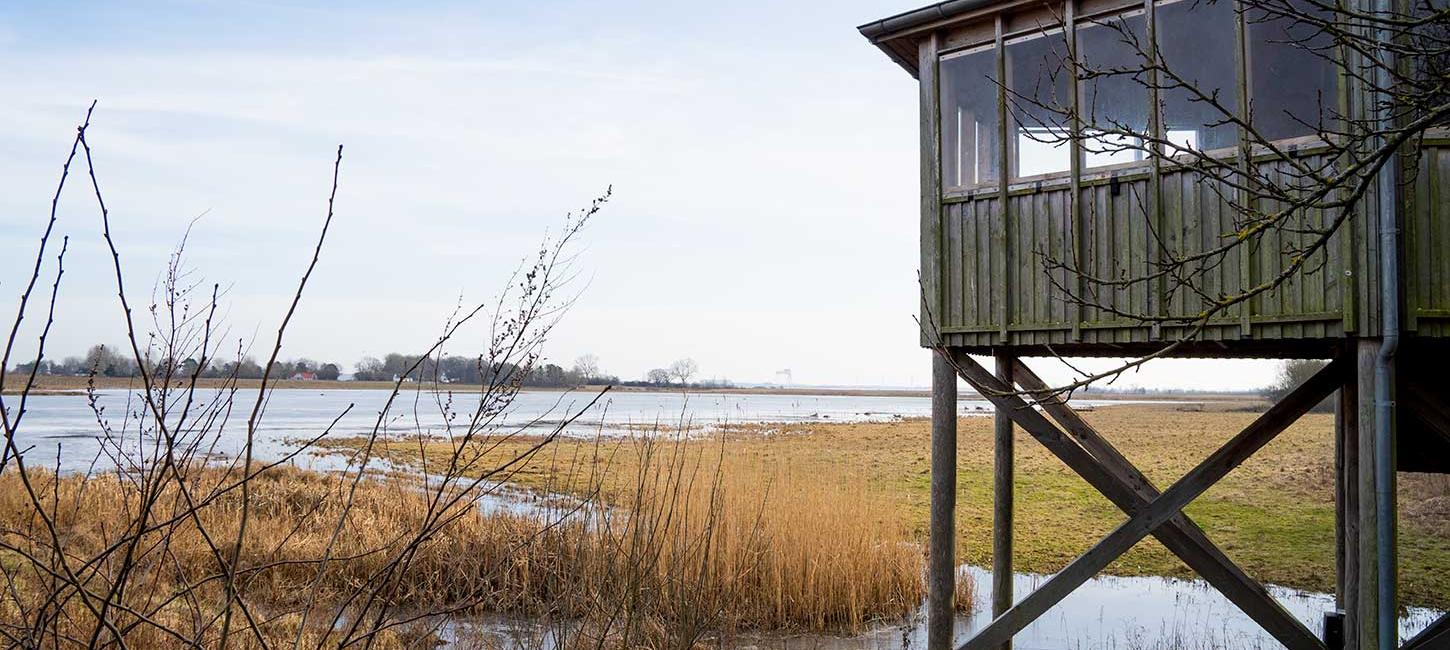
(1149, 512)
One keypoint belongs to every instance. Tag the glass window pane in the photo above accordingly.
(1196, 41)
(1293, 90)
(969, 146)
(1039, 98)
(1115, 92)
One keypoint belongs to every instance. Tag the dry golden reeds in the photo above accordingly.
(694, 547)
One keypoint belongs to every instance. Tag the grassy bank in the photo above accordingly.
(1274, 515)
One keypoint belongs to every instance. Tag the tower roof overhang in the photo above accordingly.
(899, 35)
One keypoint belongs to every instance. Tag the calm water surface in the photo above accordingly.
(1108, 612)
(64, 428)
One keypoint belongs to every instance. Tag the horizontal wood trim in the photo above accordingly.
(1324, 317)
(1120, 172)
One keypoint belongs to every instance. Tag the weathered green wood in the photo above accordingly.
(1271, 256)
(1157, 129)
(1102, 229)
(1346, 506)
(1430, 261)
(1349, 270)
(953, 280)
(1073, 311)
(1241, 64)
(1122, 258)
(1061, 247)
(1197, 225)
(1314, 290)
(1368, 598)
(986, 266)
(931, 213)
(942, 567)
(1019, 278)
(1139, 207)
(1437, 270)
(1042, 219)
(1002, 499)
(965, 215)
(1047, 223)
(1173, 232)
(995, 257)
(989, 272)
(1367, 231)
(1419, 286)
(1003, 297)
(1115, 241)
(981, 268)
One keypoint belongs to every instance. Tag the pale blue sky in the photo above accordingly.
(763, 155)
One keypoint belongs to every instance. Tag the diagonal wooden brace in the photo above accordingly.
(1143, 521)
(1181, 535)
(1436, 635)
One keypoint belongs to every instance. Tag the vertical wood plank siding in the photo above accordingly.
(932, 270)
(1195, 216)
(1427, 243)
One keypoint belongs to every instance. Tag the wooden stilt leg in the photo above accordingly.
(941, 567)
(1346, 456)
(1002, 501)
(1367, 600)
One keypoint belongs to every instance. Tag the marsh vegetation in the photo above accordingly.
(1274, 515)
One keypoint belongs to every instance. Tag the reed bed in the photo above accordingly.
(688, 547)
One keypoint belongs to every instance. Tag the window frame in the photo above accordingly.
(996, 37)
(955, 53)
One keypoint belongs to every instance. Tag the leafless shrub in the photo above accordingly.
(176, 534)
(158, 543)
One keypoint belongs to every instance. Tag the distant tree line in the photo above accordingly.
(105, 361)
(453, 369)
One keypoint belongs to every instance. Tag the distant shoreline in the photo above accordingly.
(58, 385)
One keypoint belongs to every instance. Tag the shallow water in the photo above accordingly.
(63, 429)
(1108, 612)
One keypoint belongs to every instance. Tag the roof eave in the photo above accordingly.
(909, 25)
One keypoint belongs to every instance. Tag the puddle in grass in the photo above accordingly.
(1108, 612)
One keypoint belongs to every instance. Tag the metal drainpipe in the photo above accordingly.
(1388, 623)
